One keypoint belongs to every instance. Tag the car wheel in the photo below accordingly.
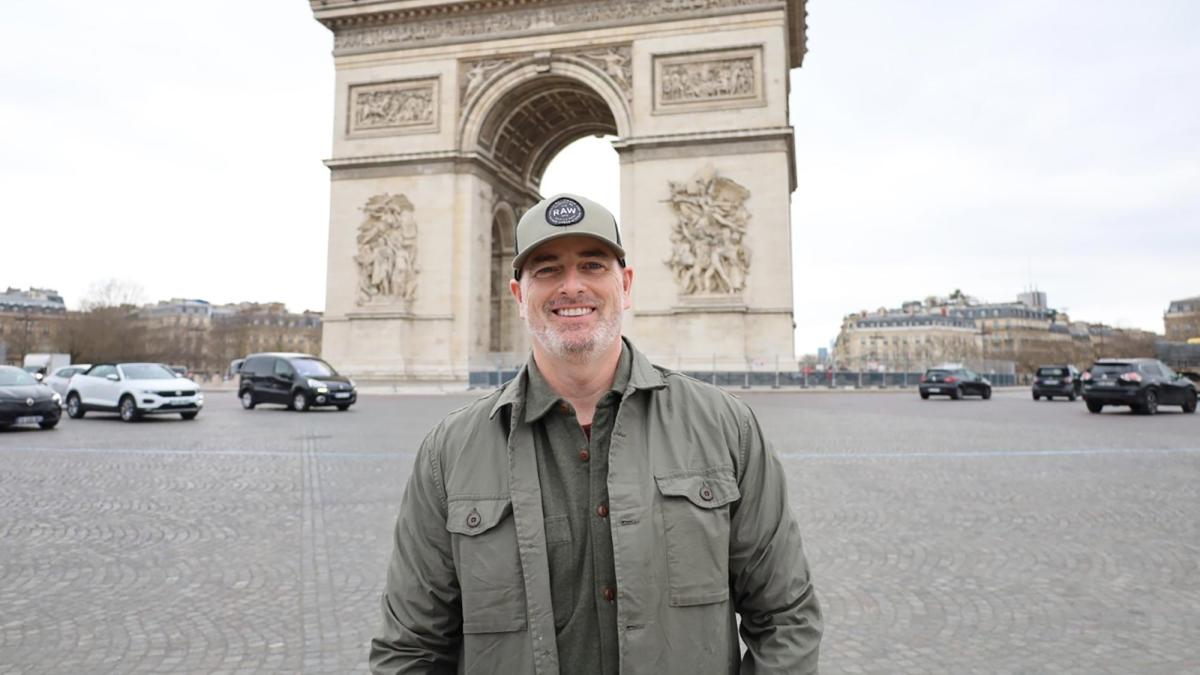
(247, 398)
(75, 407)
(299, 401)
(128, 409)
(1150, 402)
(987, 393)
(1095, 406)
(1037, 397)
(344, 408)
(1189, 403)
(925, 395)
(1071, 396)
(956, 393)
(48, 424)
(189, 415)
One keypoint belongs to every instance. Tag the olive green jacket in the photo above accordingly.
(701, 529)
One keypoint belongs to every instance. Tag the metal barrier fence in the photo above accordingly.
(771, 379)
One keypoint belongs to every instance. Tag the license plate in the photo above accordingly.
(342, 395)
(1049, 381)
(935, 390)
(1106, 384)
(29, 419)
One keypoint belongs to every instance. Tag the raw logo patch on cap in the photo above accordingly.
(564, 211)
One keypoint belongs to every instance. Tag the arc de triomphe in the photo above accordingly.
(447, 113)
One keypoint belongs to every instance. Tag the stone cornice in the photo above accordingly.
(362, 26)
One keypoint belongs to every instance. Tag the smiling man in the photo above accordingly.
(597, 514)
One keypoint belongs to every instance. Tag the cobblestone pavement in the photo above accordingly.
(945, 536)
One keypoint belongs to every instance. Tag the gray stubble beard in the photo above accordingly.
(607, 331)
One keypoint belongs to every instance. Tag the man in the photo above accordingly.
(598, 514)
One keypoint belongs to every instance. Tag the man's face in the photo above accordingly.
(571, 295)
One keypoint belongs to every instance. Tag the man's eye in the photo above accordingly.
(544, 271)
(593, 266)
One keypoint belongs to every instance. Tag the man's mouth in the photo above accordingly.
(574, 311)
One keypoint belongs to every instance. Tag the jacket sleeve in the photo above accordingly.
(422, 605)
(781, 619)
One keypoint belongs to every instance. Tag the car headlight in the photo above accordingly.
(316, 384)
(352, 384)
(56, 398)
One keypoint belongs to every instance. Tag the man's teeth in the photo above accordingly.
(574, 311)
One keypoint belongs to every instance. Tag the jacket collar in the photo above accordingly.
(642, 375)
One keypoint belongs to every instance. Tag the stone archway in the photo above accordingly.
(447, 116)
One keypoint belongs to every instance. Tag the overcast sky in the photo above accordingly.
(940, 145)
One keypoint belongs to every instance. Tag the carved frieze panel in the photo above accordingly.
(387, 252)
(385, 108)
(709, 256)
(416, 30)
(709, 80)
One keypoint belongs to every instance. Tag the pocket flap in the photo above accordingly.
(476, 516)
(707, 489)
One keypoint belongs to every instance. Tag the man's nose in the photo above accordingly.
(572, 281)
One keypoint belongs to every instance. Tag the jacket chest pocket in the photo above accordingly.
(695, 512)
(484, 539)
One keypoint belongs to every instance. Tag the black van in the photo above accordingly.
(295, 380)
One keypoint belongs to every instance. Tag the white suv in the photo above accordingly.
(133, 390)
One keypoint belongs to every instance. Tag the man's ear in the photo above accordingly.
(627, 286)
(514, 287)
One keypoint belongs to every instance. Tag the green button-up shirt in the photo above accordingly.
(701, 533)
(573, 477)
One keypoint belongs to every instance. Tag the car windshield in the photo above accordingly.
(1111, 368)
(147, 371)
(1050, 372)
(13, 377)
(939, 372)
(313, 368)
(32, 369)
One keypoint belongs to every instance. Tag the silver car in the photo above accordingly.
(59, 379)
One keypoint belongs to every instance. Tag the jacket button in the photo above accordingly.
(564, 408)
(584, 455)
(609, 593)
(706, 494)
(473, 519)
(602, 510)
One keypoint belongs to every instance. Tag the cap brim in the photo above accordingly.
(524, 255)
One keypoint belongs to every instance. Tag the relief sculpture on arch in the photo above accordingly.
(387, 252)
(709, 255)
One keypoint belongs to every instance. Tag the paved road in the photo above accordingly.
(955, 537)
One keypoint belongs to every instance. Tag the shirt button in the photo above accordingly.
(564, 408)
(473, 519)
(584, 455)
(706, 494)
(602, 510)
(609, 593)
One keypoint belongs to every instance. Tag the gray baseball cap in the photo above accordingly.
(564, 215)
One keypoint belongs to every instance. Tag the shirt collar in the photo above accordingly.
(634, 372)
(540, 397)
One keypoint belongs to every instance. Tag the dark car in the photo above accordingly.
(955, 383)
(298, 381)
(24, 400)
(1141, 384)
(1051, 381)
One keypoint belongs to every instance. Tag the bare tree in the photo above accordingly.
(107, 328)
(113, 292)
